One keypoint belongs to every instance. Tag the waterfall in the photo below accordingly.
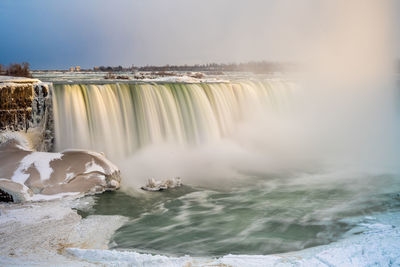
(121, 118)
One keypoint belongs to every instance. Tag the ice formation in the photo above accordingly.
(28, 175)
(154, 185)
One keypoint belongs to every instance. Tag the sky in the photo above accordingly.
(58, 34)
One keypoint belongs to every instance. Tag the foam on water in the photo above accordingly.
(274, 215)
(378, 245)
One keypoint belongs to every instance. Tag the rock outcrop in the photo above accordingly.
(16, 100)
(28, 172)
(25, 105)
(28, 175)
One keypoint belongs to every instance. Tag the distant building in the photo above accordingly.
(71, 69)
(96, 68)
(78, 68)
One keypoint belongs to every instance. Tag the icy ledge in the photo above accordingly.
(28, 175)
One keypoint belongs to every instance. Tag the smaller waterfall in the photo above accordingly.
(121, 118)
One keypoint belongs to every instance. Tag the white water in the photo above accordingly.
(121, 118)
(212, 131)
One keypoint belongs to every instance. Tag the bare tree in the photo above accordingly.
(19, 70)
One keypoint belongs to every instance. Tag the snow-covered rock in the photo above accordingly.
(26, 105)
(28, 175)
(154, 185)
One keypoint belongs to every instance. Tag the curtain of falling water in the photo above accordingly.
(120, 118)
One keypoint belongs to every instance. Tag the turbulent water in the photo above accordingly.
(285, 200)
(271, 215)
(120, 118)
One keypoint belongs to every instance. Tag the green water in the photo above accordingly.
(270, 216)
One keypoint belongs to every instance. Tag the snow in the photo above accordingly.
(25, 193)
(10, 79)
(20, 137)
(93, 167)
(32, 213)
(112, 167)
(36, 234)
(121, 258)
(41, 160)
(181, 79)
(154, 185)
(40, 197)
(69, 176)
(84, 203)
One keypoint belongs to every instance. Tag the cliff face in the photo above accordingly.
(15, 106)
(27, 171)
(25, 104)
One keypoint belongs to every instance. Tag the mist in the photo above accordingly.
(344, 116)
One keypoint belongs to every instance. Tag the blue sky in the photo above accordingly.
(56, 34)
(53, 34)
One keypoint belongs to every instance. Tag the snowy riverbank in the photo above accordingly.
(52, 233)
(36, 234)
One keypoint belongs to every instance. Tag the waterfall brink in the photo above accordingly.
(121, 118)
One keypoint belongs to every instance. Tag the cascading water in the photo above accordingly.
(121, 118)
(209, 134)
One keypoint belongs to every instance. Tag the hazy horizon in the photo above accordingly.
(59, 34)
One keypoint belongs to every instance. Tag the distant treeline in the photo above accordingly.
(16, 70)
(255, 67)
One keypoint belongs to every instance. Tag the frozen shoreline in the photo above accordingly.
(38, 233)
(378, 245)
(49, 233)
